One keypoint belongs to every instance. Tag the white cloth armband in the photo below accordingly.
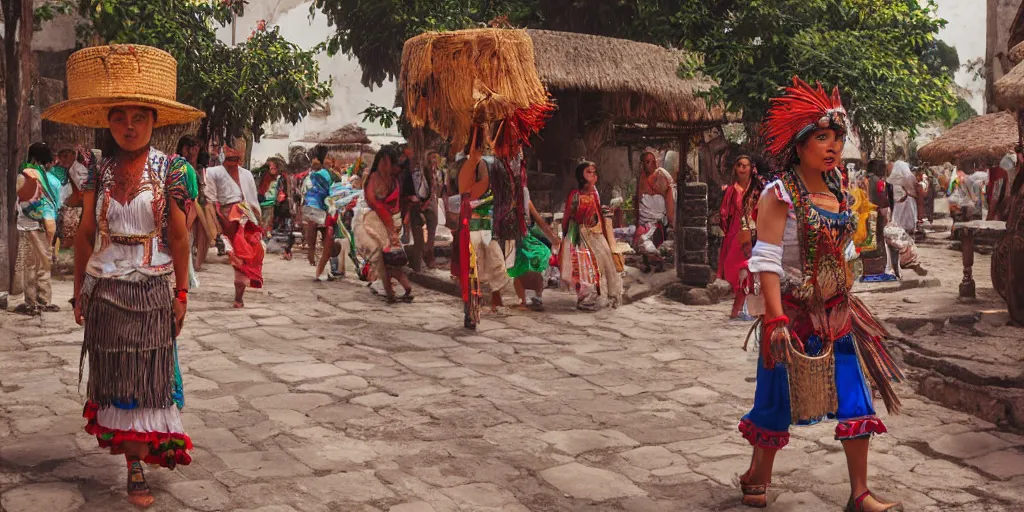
(851, 252)
(766, 257)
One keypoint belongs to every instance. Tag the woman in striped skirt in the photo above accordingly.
(131, 249)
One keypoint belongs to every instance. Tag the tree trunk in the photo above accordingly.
(991, 50)
(17, 69)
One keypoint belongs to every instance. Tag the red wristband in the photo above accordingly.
(781, 319)
(181, 296)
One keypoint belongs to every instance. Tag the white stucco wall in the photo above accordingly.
(966, 31)
(350, 97)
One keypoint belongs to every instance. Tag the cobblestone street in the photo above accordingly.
(319, 397)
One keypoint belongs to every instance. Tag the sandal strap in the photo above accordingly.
(754, 490)
(858, 503)
(137, 487)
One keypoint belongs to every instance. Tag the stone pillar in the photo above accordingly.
(692, 235)
(692, 266)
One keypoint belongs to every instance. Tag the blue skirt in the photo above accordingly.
(767, 424)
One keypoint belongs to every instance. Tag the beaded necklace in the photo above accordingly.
(823, 236)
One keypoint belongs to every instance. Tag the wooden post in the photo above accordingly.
(967, 288)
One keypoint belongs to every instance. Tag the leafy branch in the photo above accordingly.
(381, 115)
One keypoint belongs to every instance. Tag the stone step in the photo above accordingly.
(963, 362)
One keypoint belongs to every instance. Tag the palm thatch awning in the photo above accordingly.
(1010, 89)
(640, 80)
(986, 137)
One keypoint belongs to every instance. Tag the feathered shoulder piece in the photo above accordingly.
(800, 111)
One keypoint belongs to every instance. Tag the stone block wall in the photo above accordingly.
(692, 263)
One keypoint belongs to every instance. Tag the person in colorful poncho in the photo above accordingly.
(821, 349)
(38, 203)
(481, 258)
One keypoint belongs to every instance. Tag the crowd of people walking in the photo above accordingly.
(141, 224)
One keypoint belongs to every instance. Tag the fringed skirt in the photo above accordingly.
(859, 362)
(586, 264)
(134, 391)
(767, 424)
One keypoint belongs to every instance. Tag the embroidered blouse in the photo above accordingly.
(131, 237)
(823, 222)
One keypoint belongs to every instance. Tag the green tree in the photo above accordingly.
(374, 32)
(883, 53)
(872, 48)
(262, 80)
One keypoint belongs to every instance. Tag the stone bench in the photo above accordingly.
(982, 231)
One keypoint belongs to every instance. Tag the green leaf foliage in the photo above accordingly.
(883, 54)
(261, 80)
(381, 115)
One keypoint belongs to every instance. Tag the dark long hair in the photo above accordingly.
(581, 179)
(390, 152)
(40, 153)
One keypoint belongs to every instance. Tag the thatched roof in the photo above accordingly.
(1010, 89)
(984, 137)
(640, 79)
(348, 134)
(1016, 54)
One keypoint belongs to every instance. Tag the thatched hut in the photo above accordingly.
(346, 143)
(614, 92)
(984, 138)
(638, 82)
(615, 97)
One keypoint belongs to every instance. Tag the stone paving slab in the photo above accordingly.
(321, 398)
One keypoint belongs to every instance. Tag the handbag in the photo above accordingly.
(395, 257)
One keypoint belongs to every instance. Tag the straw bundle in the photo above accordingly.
(449, 78)
(1010, 89)
(984, 137)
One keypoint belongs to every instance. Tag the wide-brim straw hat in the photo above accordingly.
(120, 75)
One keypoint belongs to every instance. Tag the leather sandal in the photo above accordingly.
(857, 505)
(139, 493)
(755, 495)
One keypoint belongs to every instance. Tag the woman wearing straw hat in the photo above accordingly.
(132, 239)
(820, 345)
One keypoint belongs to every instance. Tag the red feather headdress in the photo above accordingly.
(799, 112)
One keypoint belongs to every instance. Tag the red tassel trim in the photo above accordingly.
(165, 449)
(519, 127)
(763, 438)
(853, 429)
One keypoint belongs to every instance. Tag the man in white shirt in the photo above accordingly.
(232, 189)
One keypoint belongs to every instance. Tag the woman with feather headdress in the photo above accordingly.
(821, 349)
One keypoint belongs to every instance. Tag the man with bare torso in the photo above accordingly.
(655, 210)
